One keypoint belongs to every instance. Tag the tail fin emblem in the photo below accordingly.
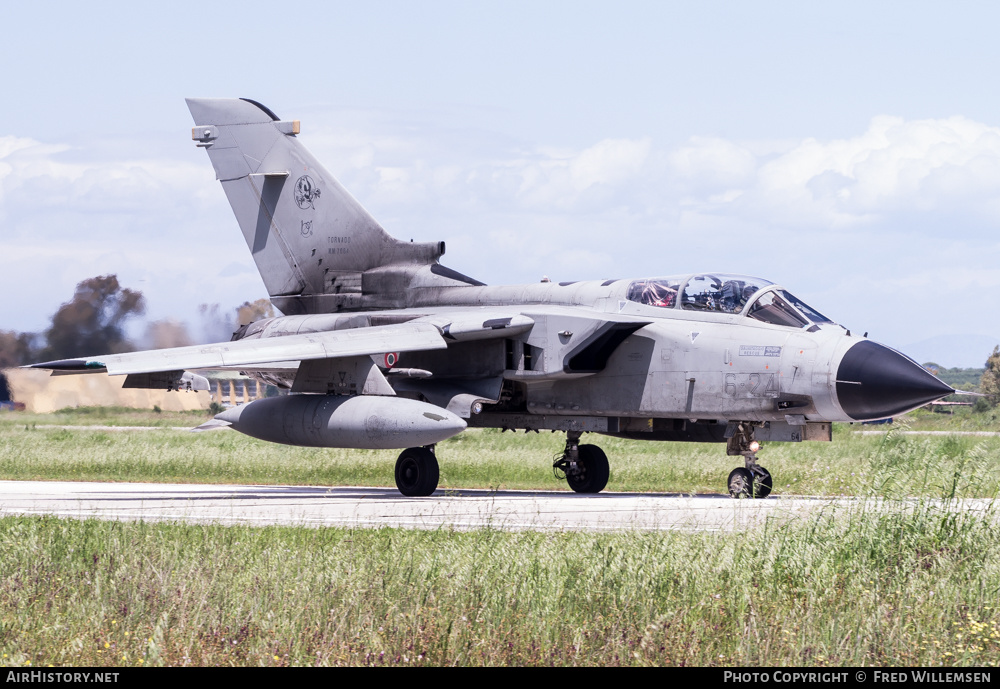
(305, 192)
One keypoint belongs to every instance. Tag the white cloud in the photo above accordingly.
(574, 180)
(950, 165)
(712, 164)
(886, 210)
(39, 179)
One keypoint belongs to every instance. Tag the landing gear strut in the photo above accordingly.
(585, 467)
(417, 471)
(753, 481)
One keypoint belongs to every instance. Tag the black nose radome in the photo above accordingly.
(875, 382)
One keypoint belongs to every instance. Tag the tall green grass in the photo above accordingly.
(487, 458)
(862, 587)
(881, 580)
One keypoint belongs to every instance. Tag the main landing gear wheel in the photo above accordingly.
(585, 467)
(417, 472)
(592, 470)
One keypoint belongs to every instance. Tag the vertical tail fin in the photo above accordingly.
(307, 234)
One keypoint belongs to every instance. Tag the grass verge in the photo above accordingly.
(38, 447)
(899, 582)
(913, 586)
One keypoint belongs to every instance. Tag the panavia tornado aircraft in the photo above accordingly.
(383, 347)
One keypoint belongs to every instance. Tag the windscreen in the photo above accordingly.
(810, 313)
(772, 308)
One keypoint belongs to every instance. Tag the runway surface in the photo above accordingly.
(371, 507)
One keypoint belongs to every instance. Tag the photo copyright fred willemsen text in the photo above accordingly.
(915, 676)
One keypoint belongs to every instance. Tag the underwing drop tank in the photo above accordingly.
(363, 422)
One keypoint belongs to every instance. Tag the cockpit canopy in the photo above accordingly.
(720, 293)
(723, 293)
(660, 292)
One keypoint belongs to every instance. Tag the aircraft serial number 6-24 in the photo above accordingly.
(383, 347)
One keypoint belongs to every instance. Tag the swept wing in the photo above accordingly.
(404, 337)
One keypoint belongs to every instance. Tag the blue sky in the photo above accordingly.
(849, 152)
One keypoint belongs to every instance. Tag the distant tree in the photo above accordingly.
(959, 378)
(17, 349)
(989, 384)
(93, 321)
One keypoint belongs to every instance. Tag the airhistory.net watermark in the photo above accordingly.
(31, 676)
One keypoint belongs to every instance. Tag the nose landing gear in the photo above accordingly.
(753, 481)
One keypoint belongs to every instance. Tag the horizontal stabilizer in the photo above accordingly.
(211, 425)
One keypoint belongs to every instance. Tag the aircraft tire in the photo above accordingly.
(417, 472)
(740, 483)
(596, 471)
(762, 483)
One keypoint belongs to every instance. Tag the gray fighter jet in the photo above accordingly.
(384, 347)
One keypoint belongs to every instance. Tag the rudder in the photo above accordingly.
(307, 234)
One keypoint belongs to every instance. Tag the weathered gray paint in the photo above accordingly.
(359, 421)
(500, 356)
(307, 234)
